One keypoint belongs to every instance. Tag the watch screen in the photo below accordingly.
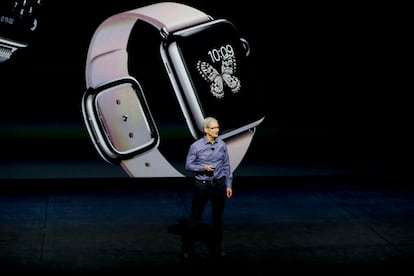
(19, 19)
(221, 80)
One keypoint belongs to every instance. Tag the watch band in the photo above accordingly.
(107, 49)
(7, 48)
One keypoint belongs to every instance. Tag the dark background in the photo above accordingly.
(333, 77)
(337, 103)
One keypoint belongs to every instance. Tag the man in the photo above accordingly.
(208, 160)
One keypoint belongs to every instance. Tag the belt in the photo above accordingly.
(211, 181)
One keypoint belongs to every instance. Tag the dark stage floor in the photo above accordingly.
(273, 226)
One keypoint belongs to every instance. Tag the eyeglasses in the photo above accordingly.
(216, 127)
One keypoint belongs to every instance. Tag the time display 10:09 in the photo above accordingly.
(224, 52)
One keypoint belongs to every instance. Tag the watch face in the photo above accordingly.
(215, 77)
(19, 19)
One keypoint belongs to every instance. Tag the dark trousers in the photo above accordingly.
(203, 192)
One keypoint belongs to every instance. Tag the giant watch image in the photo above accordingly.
(206, 64)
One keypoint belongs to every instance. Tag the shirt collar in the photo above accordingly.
(206, 141)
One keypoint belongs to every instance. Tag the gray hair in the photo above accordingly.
(208, 120)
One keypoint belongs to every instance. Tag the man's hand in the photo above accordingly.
(229, 192)
(209, 168)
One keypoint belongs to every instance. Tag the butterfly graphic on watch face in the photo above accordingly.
(219, 80)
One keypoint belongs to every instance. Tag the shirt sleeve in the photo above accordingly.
(227, 169)
(192, 164)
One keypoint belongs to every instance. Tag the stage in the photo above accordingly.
(360, 225)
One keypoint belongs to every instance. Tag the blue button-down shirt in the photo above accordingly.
(202, 152)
